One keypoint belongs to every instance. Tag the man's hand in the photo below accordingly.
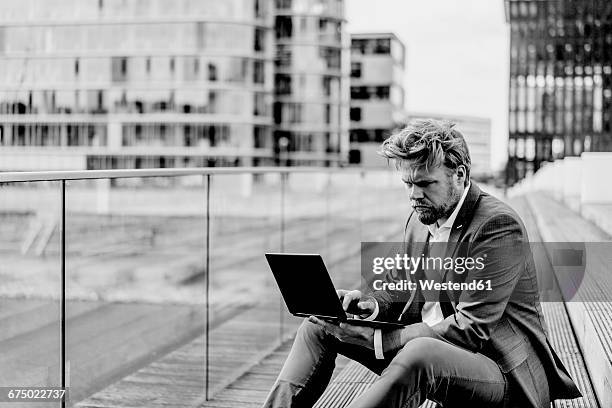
(354, 302)
(348, 333)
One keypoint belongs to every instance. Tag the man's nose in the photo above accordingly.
(416, 192)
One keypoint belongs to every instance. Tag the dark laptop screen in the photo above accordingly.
(305, 284)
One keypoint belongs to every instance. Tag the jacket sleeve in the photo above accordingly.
(502, 243)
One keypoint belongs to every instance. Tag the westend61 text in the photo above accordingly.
(406, 285)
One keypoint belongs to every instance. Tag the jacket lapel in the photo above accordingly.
(464, 217)
(417, 238)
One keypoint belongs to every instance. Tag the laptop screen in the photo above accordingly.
(305, 284)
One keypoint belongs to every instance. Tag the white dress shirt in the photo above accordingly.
(432, 312)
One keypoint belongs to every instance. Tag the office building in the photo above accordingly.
(377, 93)
(98, 84)
(560, 99)
(311, 98)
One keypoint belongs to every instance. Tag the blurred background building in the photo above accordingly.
(311, 81)
(477, 134)
(560, 100)
(377, 94)
(98, 84)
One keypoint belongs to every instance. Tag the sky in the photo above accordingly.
(457, 56)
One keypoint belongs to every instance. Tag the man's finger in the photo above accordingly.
(347, 301)
(328, 327)
(350, 297)
(318, 321)
(367, 305)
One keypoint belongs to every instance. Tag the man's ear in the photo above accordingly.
(461, 173)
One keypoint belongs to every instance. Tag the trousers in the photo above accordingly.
(425, 368)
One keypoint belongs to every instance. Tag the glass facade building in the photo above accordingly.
(138, 83)
(560, 99)
(311, 98)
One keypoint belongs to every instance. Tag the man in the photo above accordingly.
(476, 348)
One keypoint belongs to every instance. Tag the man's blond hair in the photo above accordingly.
(428, 143)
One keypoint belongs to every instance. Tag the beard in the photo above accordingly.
(429, 213)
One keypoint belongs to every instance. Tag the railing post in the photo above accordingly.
(360, 204)
(207, 284)
(328, 209)
(63, 288)
(281, 309)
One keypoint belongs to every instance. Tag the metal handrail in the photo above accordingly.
(207, 173)
(14, 177)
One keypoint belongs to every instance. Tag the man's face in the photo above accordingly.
(434, 193)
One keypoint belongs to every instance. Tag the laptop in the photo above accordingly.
(307, 289)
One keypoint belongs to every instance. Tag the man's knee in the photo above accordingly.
(417, 355)
(311, 332)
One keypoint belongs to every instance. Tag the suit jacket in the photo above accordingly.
(505, 324)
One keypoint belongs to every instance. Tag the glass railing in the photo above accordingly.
(133, 286)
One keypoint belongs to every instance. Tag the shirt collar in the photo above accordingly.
(433, 228)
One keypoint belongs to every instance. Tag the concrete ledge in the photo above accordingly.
(599, 214)
(596, 169)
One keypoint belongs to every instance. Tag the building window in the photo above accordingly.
(259, 108)
(356, 69)
(212, 72)
(258, 72)
(200, 35)
(238, 70)
(358, 46)
(382, 46)
(119, 67)
(331, 57)
(355, 114)
(284, 27)
(359, 92)
(382, 92)
(282, 84)
(196, 66)
(283, 4)
(259, 40)
(283, 56)
(191, 67)
(260, 137)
